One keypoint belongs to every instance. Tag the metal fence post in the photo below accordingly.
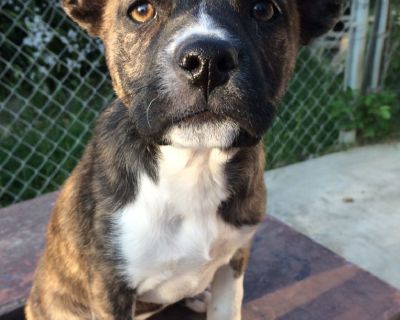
(358, 40)
(378, 43)
(354, 73)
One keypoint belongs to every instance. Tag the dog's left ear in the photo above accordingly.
(317, 17)
(87, 13)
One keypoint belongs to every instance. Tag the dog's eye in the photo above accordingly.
(265, 11)
(142, 12)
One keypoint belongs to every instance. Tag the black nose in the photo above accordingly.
(208, 63)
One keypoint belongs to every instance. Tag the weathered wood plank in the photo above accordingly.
(290, 276)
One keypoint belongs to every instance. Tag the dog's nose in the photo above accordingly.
(208, 63)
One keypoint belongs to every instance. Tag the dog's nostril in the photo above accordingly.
(226, 64)
(191, 63)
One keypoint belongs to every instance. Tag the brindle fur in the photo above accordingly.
(77, 277)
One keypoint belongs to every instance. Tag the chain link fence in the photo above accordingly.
(53, 84)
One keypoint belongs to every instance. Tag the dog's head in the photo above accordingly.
(203, 73)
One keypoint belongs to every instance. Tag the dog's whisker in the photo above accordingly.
(148, 85)
(148, 109)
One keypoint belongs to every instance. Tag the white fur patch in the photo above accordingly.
(204, 135)
(171, 237)
(204, 25)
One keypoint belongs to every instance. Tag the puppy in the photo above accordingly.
(168, 194)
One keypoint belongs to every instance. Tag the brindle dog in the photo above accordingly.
(168, 194)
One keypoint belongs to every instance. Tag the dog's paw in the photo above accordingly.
(200, 302)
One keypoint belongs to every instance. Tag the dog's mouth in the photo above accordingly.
(205, 126)
(199, 117)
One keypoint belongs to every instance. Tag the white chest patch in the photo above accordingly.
(171, 237)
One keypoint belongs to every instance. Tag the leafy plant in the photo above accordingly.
(343, 112)
(370, 115)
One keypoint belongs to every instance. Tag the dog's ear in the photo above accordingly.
(87, 13)
(317, 17)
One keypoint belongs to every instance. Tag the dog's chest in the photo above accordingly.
(171, 238)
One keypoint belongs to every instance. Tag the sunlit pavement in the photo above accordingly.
(349, 202)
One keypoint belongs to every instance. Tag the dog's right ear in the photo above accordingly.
(318, 17)
(87, 13)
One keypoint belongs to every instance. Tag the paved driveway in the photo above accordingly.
(348, 202)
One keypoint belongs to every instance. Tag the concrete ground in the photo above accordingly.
(348, 202)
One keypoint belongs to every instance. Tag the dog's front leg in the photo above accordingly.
(119, 309)
(227, 289)
(111, 299)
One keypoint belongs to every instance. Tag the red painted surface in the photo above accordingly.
(290, 277)
(22, 230)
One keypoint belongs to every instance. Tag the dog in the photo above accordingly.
(167, 197)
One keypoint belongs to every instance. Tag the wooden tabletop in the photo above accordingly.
(290, 277)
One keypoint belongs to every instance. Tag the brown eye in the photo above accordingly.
(265, 11)
(142, 12)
